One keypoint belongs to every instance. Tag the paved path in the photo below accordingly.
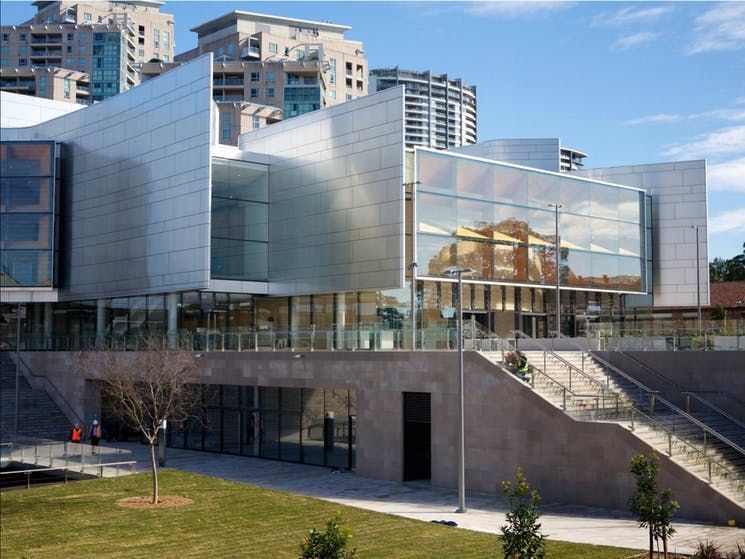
(486, 513)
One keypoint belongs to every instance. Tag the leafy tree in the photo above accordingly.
(521, 536)
(331, 544)
(732, 269)
(146, 387)
(652, 508)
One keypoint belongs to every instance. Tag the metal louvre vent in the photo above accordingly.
(417, 407)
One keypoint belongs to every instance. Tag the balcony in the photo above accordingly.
(46, 40)
(46, 53)
(251, 52)
(25, 85)
(83, 90)
(228, 82)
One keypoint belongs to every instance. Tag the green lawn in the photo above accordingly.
(227, 519)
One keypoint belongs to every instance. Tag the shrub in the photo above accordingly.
(521, 536)
(331, 544)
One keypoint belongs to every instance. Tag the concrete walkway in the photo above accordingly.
(486, 513)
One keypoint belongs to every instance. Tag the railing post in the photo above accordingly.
(669, 444)
(583, 361)
(651, 405)
(688, 403)
(597, 408)
(709, 468)
(705, 444)
(632, 419)
(564, 399)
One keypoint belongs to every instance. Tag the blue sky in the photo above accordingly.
(625, 82)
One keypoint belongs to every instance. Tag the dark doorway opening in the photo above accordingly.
(417, 436)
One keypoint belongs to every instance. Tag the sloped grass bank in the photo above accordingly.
(226, 519)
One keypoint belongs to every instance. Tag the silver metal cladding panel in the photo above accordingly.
(17, 111)
(137, 211)
(539, 153)
(336, 196)
(679, 201)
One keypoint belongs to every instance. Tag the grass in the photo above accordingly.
(227, 519)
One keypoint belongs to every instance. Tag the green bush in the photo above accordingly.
(521, 536)
(331, 544)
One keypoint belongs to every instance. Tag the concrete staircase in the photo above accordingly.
(38, 415)
(588, 391)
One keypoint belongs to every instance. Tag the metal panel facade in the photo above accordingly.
(679, 202)
(336, 218)
(137, 210)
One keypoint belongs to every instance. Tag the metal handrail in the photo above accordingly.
(571, 366)
(670, 405)
(48, 382)
(717, 409)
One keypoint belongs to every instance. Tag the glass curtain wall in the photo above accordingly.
(306, 425)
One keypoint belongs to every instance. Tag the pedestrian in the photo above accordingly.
(94, 435)
(522, 367)
(76, 434)
(251, 428)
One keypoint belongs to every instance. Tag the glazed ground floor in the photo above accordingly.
(394, 415)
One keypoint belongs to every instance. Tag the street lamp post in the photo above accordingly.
(457, 271)
(558, 276)
(698, 280)
(413, 267)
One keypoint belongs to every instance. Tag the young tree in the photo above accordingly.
(331, 544)
(147, 386)
(652, 508)
(521, 536)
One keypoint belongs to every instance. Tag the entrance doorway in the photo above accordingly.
(535, 325)
(417, 436)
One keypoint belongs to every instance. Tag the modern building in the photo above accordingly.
(268, 68)
(440, 110)
(287, 263)
(102, 40)
(541, 153)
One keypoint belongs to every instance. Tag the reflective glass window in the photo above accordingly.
(510, 262)
(474, 179)
(629, 273)
(23, 194)
(435, 254)
(605, 236)
(629, 205)
(574, 231)
(510, 185)
(604, 271)
(510, 224)
(542, 227)
(26, 159)
(604, 201)
(475, 219)
(239, 260)
(237, 219)
(542, 189)
(26, 231)
(436, 172)
(25, 267)
(575, 196)
(542, 265)
(241, 180)
(436, 214)
(629, 242)
(576, 268)
(476, 255)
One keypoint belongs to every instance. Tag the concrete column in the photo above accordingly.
(340, 313)
(173, 319)
(101, 306)
(48, 325)
(294, 321)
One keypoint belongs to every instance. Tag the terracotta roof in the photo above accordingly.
(727, 294)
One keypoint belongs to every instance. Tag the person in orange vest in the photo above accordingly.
(76, 434)
(94, 435)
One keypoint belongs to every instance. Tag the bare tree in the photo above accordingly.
(145, 388)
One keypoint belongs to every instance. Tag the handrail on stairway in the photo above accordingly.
(678, 388)
(571, 366)
(48, 382)
(670, 405)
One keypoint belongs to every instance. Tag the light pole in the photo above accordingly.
(18, 364)
(413, 267)
(457, 271)
(698, 281)
(558, 276)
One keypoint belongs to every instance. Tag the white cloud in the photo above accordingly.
(630, 15)
(514, 10)
(720, 142)
(733, 115)
(634, 40)
(720, 28)
(740, 100)
(732, 221)
(728, 175)
(653, 119)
